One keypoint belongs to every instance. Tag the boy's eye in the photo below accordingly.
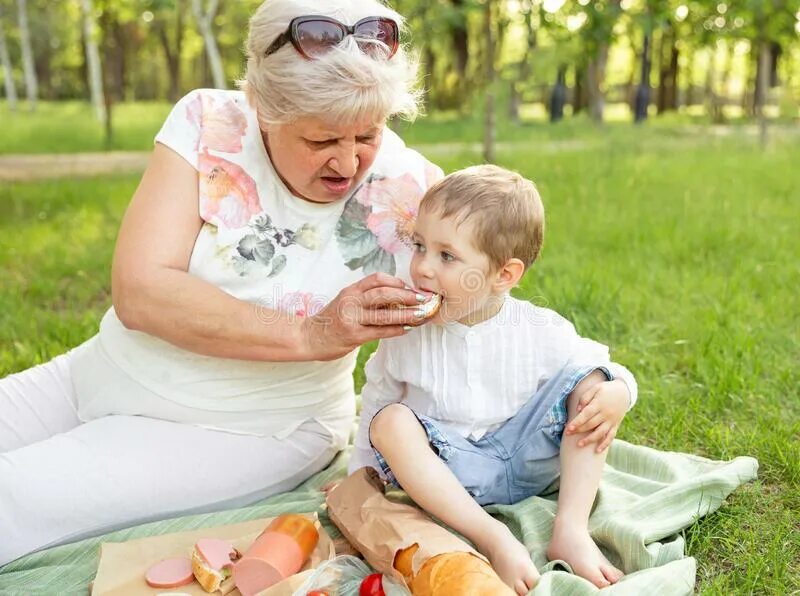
(447, 257)
(418, 247)
(367, 139)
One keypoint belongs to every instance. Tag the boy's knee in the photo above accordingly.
(390, 422)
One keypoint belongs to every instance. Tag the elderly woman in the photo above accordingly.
(256, 256)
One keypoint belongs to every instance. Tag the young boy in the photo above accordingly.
(471, 408)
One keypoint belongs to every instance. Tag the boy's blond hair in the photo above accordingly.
(504, 208)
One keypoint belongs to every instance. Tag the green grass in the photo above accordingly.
(70, 127)
(677, 249)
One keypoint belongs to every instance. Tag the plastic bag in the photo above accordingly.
(343, 575)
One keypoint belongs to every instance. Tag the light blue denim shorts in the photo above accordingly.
(519, 459)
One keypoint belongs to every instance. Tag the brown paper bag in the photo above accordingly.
(379, 528)
(123, 565)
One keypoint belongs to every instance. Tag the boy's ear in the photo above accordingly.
(509, 275)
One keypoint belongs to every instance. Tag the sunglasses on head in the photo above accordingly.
(313, 36)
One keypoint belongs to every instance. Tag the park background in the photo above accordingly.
(664, 136)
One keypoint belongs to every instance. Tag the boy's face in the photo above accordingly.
(446, 262)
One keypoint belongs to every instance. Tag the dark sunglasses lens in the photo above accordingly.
(377, 30)
(317, 37)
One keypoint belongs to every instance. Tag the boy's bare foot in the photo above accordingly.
(576, 547)
(510, 559)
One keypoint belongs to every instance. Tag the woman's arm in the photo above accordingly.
(154, 293)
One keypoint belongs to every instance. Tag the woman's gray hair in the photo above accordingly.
(343, 85)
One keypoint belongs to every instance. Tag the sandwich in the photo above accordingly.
(212, 562)
(429, 308)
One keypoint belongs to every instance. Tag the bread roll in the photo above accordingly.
(450, 574)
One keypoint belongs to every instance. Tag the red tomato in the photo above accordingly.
(372, 586)
(317, 593)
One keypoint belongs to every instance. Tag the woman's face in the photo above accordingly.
(322, 161)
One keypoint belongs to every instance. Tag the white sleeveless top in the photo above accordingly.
(263, 245)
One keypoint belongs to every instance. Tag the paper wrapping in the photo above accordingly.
(123, 565)
(379, 528)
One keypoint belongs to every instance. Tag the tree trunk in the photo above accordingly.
(688, 99)
(110, 49)
(674, 69)
(630, 85)
(775, 53)
(205, 22)
(173, 57)
(126, 40)
(643, 93)
(668, 71)
(460, 39)
(173, 63)
(115, 60)
(43, 57)
(489, 130)
(712, 98)
(660, 62)
(514, 102)
(746, 100)
(176, 86)
(93, 61)
(579, 92)
(595, 75)
(28, 67)
(766, 72)
(430, 67)
(523, 66)
(727, 74)
(8, 75)
(762, 86)
(596, 46)
(559, 96)
(83, 69)
(759, 92)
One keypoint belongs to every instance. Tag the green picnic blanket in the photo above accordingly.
(646, 498)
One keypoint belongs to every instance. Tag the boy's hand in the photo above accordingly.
(600, 410)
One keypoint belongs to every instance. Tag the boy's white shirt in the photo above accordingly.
(474, 378)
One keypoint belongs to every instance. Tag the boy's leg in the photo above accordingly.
(581, 468)
(401, 440)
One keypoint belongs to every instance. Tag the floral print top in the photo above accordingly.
(262, 244)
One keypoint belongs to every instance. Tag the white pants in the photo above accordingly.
(62, 480)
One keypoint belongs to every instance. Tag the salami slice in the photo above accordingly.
(217, 553)
(170, 573)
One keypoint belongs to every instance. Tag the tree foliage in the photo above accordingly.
(699, 49)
